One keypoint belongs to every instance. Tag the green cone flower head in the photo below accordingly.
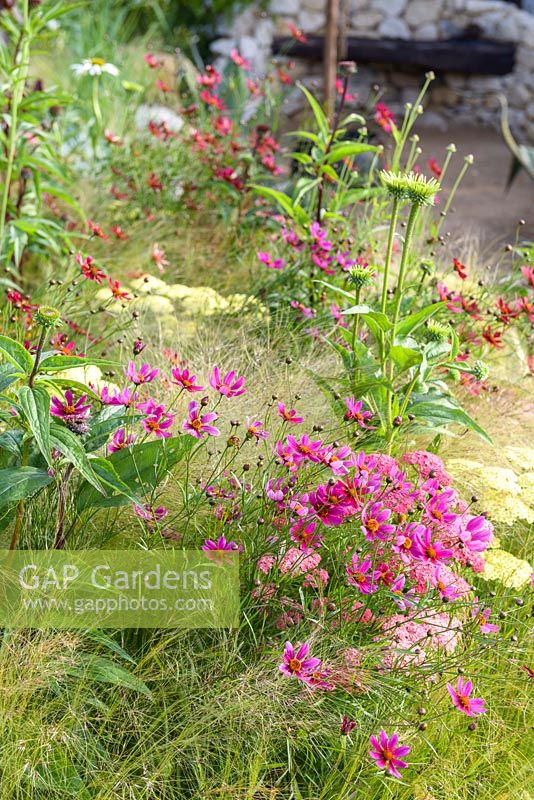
(360, 276)
(47, 317)
(412, 186)
(437, 331)
(480, 370)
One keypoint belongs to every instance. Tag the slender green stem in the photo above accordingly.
(40, 345)
(96, 102)
(18, 90)
(403, 264)
(355, 324)
(389, 253)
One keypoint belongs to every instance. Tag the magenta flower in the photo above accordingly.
(298, 664)
(477, 534)
(438, 508)
(443, 580)
(159, 425)
(120, 440)
(374, 524)
(388, 754)
(272, 263)
(69, 409)
(221, 544)
(461, 697)
(481, 617)
(360, 574)
(183, 378)
(255, 430)
(150, 515)
(347, 725)
(305, 535)
(304, 449)
(329, 504)
(289, 415)
(198, 424)
(425, 549)
(356, 413)
(144, 375)
(119, 397)
(229, 386)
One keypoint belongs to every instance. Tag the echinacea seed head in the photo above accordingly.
(48, 317)
(360, 276)
(437, 331)
(480, 370)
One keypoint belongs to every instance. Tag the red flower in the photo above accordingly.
(118, 232)
(528, 273)
(162, 86)
(112, 138)
(90, 270)
(434, 167)
(460, 269)
(297, 34)
(116, 290)
(211, 99)
(492, 337)
(239, 60)
(95, 229)
(154, 182)
(152, 61)
(384, 117)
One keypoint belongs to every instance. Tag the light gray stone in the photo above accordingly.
(519, 95)
(285, 7)
(525, 57)
(222, 47)
(393, 8)
(443, 96)
(365, 20)
(428, 32)
(394, 28)
(486, 6)
(311, 21)
(421, 11)
(530, 111)
(529, 133)
(313, 5)
(433, 120)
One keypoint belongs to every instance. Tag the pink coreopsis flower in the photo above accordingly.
(269, 261)
(347, 725)
(297, 664)
(120, 440)
(89, 268)
(360, 575)
(159, 257)
(374, 524)
(150, 515)
(144, 375)
(198, 424)
(477, 534)
(69, 409)
(481, 617)
(289, 415)
(119, 397)
(384, 117)
(426, 549)
(183, 378)
(158, 423)
(229, 386)
(239, 60)
(304, 534)
(221, 544)
(444, 581)
(356, 413)
(388, 754)
(255, 430)
(461, 697)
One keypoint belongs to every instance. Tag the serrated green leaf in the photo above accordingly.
(16, 354)
(70, 446)
(35, 405)
(409, 324)
(19, 483)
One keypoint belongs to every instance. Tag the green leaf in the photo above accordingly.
(35, 405)
(102, 428)
(11, 440)
(72, 449)
(408, 324)
(7, 376)
(405, 357)
(134, 471)
(16, 354)
(443, 412)
(102, 670)
(367, 313)
(21, 482)
(348, 149)
(57, 384)
(60, 363)
(318, 113)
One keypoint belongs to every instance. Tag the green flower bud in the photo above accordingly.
(47, 317)
(360, 276)
(437, 331)
(480, 370)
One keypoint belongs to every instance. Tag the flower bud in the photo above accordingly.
(47, 317)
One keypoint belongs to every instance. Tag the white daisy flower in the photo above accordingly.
(94, 66)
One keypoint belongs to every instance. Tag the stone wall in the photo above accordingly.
(453, 96)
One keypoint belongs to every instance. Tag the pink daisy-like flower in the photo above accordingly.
(388, 754)
(70, 409)
(424, 548)
(119, 397)
(159, 424)
(304, 534)
(360, 574)
(374, 524)
(198, 424)
(221, 544)
(144, 375)
(289, 415)
(477, 534)
(255, 430)
(120, 440)
(481, 617)
(356, 413)
(297, 664)
(229, 386)
(461, 697)
(444, 581)
(183, 378)
(149, 514)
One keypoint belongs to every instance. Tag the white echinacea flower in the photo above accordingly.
(94, 66)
